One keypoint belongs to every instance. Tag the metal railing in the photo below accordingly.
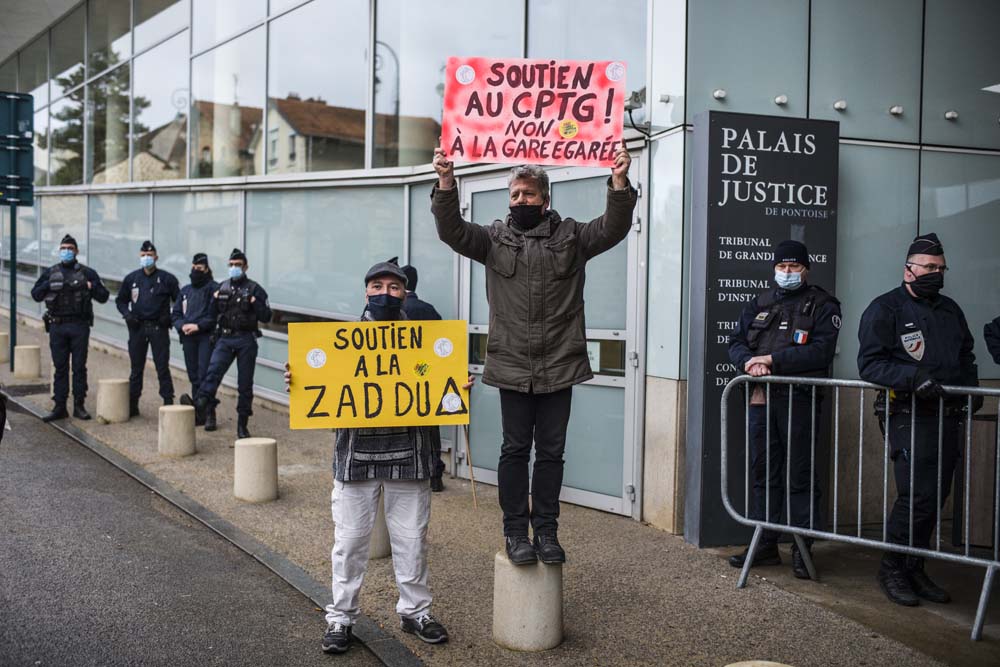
(799, 533)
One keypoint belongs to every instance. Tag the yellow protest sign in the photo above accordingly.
(401, 373)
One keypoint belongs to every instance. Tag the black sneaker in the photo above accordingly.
(766, 555)
(922, 584)
(896, 586)
(427, 628)
(337, 638)
(520, 551)
(549, 550)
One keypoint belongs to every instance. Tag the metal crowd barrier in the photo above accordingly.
(965, 556)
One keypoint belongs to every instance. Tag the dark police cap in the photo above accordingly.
(147, 246)
(237, 254)
(200, 258)
(411, 277)
(389, 267)
(926, 244)
(792, 251)
(69, 240)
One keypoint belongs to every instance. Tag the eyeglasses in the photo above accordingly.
(930, 268)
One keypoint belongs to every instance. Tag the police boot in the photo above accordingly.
(58, 412)
(766, 554)
(799, 568)
(894, 582)
(200, 404)
(133, 408)
(241, 427)
(922, 584)
(210, 424)
(80, 412)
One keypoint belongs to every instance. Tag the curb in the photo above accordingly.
(389, 650)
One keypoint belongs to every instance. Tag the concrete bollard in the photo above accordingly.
(527, 605)
(380, 545)
(27, 362)
(112, 401)
(4, 347)
(176, 431)
(255, 476)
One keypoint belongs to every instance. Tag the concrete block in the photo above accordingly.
(176, 430)
(27, 362)
(112, 400)
(255, 474)
(4, 347)
(527, 605)
(380, 545)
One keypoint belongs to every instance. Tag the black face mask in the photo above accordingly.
(199, 278)
(526, 216)
(928, 285)
(385, 306)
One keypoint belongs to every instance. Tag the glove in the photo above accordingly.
(928, 389)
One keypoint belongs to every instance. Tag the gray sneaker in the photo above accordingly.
(337, 638)
(426, 628)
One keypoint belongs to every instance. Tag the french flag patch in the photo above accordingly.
(800, 337)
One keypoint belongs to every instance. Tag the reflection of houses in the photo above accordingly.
(225, 138)
(160, 154)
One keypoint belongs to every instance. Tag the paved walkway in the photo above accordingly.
(634, 595)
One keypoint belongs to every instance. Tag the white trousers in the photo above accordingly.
(407, 513)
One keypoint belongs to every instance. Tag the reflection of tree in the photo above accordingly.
(108, 117)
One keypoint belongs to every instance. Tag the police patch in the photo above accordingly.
(762, 315)
(913, 343)
(836, 321)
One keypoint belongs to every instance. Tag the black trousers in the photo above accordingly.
(69, 340)
(197, 353)
(241, 346)
(924, 460)
(542, 419)
(140, 339)
(800, 476)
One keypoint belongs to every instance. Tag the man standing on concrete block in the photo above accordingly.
(416, 309)
(144, 301)
(913, 339)
(241, 304)
(194, 318)
(791, 329)
(69, 290)
(537, 347)
(398, 461)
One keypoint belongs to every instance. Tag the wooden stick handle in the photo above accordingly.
(468, 457)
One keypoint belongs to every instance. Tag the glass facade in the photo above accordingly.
(109, 38)
(160, 111)
(107, 126)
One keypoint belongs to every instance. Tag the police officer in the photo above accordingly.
(416, 309)
(68, 290)
(791, 329)
(144, 301)
(241, 304)
(913, 340)
(194, 318)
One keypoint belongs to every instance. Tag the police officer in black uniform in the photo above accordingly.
(241, 303)
(789, 330)
(194, 318)
(144, 301)
(913, 340)
(417, 309)
(68, 290)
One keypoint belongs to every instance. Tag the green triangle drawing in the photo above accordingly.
(451, 388)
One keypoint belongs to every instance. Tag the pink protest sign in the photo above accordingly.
(568, 112)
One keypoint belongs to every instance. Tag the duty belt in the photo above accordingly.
(226, 331)
(151, 324)
(66, 319)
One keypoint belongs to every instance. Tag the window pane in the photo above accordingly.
(188, 223)
(107, 128)
(311, 248)
(41, 149)
(316, 102)
(597, 431)
(486, 207)
(67, 53)
(118, 226)
(599, 30)
(155, 19)
(227, 110)
(278, 6)
(63, 215)
(413, 42)
(668, 57)
(35, 70)
(8, 76)
(960, 200)
(66, 140)
(27, 256)
(217, 19)
(160, 105)
(108, 34)
(434, 261)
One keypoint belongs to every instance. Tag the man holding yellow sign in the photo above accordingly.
(383, 383)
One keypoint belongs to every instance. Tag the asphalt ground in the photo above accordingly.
(97, 570)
